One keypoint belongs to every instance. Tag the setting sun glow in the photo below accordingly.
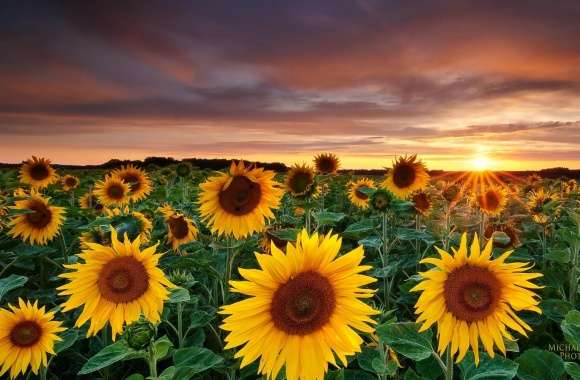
(481, 163)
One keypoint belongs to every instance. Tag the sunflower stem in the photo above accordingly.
(384, 255)
(180, 324)
(573, 275)
(449, 364)
(307, 216)
(152, 361)
(63, 246)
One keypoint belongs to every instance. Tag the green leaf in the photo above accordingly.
(555, 309)
(109, 355)
(11, 282)
(179, 295)
(571, 327)
(366, 357)
(162, 346)
(412, 375)
(357, 231)
(352, 374)
(405, 339)
(324, 218)
(287, 234)
(135, 376)
(498, 368)
(538, 364)
(559, 255)
(200, 318)
(193, 360)
(572, 369)
(69, 337)
(167, 374)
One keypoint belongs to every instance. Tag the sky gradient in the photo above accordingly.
(283, 80)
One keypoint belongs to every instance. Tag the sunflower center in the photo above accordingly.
(123, 279)
(241, 197)
(326, 165)
(300, 182)
(359, 194)
(116, 191)
(178, 226)
(304, 304)
(41, 215)
(70, 181)
(25, 334)
(39, 172)
(133, 181)
(491, 200)
(404, 175)
(471, 293)
(421, 202)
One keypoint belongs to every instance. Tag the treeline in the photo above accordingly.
(222, 163)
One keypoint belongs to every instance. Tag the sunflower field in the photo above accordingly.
(181, 273)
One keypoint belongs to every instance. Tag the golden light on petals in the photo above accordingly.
(300, 181)
(239, 202)
(137, 179)
(40, 224)
(407, 175)
(492, 200)
(27, 336)
(180, 229)
(69, 182)
(473, 298)
(356, 194)
(303, 298)
(113, 191)
(115, 284)
(37, 172)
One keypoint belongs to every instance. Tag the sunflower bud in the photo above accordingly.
(381, 200)
(140, 334)
(181, 278)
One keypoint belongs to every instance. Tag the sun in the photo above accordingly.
(480, 163)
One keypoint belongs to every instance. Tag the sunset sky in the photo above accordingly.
(453, 81)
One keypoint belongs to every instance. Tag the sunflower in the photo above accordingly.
(513, 239)
(95, 235)
(180, 229)
(37, 173)
(356, 193)
(570, 186)
(115, 284)
(300, 181)
(473, 298)
(326, 163)
(89, 201)
(27, 335)
(133, 223)
(137, 179)
(451, 192)
(268, 238)
(406, 176)
(540, 198)
(69, 182)
(113, 191)
(238, 202)
(40, 223)
(303, 308)
(492, 200)
(421, 203)
(534, 179)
